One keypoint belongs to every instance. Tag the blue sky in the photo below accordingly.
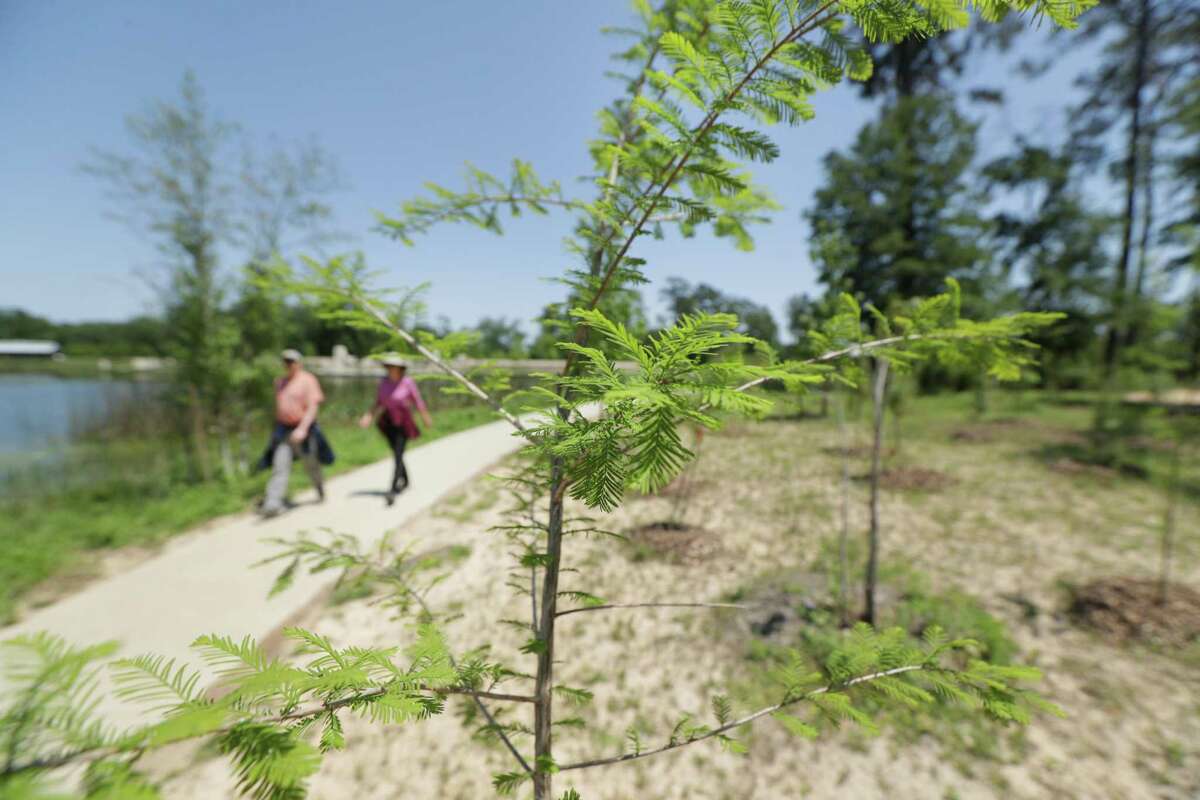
(399, 93)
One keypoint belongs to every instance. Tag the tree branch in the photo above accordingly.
(762, 712)
(94, 753)
(653, 605)
(676, 165)
(442, 364)
(484, 709)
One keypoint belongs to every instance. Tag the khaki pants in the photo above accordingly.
(281, 467)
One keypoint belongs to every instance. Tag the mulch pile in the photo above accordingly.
(991, 430)
(678, 543)
(1125, 609)
(856, 451)
(1000, 430)
(1069, 466)
(915, 478)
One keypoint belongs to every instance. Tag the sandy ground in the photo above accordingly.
(1009, 527)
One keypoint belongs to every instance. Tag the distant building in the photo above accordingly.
(29, 348)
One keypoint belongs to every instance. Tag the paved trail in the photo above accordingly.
(203, 583)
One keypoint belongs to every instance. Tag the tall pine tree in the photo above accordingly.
(897, 214)
(1123, 113)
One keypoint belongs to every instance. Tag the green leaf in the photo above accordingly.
(796, 726)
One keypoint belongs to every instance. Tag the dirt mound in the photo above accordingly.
(999, 430)
(856, 451)
(921, 479)
(1149, 443)
(1125, 609)
(1070, 466)
(676, 542)
(975, 433)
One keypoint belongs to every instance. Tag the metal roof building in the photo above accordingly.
(29, 347)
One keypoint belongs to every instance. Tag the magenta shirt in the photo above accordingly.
(399, 397)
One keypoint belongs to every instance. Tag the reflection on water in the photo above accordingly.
(41, 415)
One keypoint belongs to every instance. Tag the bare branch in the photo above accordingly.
(653, 605)
(442, 364)
(762, 712)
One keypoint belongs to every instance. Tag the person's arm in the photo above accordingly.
(370, 417)
(420, 403)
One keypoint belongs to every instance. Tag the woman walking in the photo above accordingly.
(392, 413)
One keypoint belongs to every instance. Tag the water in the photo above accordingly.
(41, 416)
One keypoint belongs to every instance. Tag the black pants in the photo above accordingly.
(398, 441)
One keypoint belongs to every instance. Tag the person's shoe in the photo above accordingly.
(390, 498)
(268, 513)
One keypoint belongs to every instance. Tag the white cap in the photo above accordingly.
(393, 360)
(291, 355)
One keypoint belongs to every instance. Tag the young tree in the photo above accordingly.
(608, 430)
(179, 186)
(173, 187)
(879, 385)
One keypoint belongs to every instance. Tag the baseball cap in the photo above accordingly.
(393, 360)
(291, 355)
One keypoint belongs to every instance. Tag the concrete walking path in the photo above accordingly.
(204, 583)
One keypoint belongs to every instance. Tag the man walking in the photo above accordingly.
(296, 434)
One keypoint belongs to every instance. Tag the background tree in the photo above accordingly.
(896, 217)
(685, 299)
(282, 207)
(497, 338)
(1122, 115)
(180, 187)
(1047, 243)
(174, 188)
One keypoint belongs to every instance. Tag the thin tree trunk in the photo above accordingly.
(225, 447)
(1121, 283)
(683, 483)
(1147, 228)
(244, 444)
(543, 708)
(844, 536)
(981, 397)
(199, 434)
(1168, 537)
(878, 398)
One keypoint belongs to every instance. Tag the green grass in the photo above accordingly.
(48, 533)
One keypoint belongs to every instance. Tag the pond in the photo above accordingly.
(44, 414)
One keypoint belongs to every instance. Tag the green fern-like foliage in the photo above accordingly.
(265, 708)
(703, 81)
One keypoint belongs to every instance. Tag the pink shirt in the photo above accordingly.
(295, 396)
(399, 397)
